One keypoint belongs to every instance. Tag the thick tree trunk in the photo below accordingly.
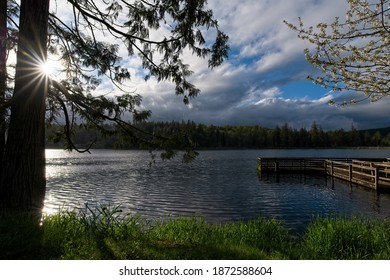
(23, 182)
(3, 76)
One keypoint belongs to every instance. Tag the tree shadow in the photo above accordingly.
(20, 236)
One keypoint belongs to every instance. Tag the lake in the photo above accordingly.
(219, 185)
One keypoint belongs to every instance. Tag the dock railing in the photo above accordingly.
(290, 164)
(358, 172)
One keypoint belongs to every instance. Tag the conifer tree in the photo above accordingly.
(88, 48)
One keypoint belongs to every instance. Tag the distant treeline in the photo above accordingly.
(239, 137)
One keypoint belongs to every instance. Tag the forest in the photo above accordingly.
(230, 137)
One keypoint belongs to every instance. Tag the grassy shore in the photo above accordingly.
(107, 234)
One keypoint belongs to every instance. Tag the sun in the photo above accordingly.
(46, 69)
(50, 67)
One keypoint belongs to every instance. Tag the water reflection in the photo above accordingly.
(219, 185)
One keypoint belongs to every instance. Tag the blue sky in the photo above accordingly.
(264, 80)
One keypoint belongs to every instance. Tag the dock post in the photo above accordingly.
(331, 168)
(376, 178)
(350, 172)
(259, 165)
(276, 166)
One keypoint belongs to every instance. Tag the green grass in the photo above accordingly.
(106, 233)
(353, 238)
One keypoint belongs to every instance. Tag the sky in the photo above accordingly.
(264, 80)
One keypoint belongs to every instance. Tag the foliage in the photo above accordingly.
(353, 54)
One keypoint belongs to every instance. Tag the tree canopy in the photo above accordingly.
(353, 54)
(88, 42)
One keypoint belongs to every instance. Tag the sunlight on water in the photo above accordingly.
(219, 185)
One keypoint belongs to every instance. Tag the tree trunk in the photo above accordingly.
(23, 183)
(3, 77)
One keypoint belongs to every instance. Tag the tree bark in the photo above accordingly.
(23, 183)
(3, 77)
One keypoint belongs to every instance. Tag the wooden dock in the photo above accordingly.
(369, 172)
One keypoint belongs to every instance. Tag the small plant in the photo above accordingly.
(100, 220)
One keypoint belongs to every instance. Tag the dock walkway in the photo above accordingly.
(369, 172)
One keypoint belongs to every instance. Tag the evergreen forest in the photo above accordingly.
(202, 136)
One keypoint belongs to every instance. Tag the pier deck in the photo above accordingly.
(369, 172)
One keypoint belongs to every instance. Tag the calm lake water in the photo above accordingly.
(219, 185)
